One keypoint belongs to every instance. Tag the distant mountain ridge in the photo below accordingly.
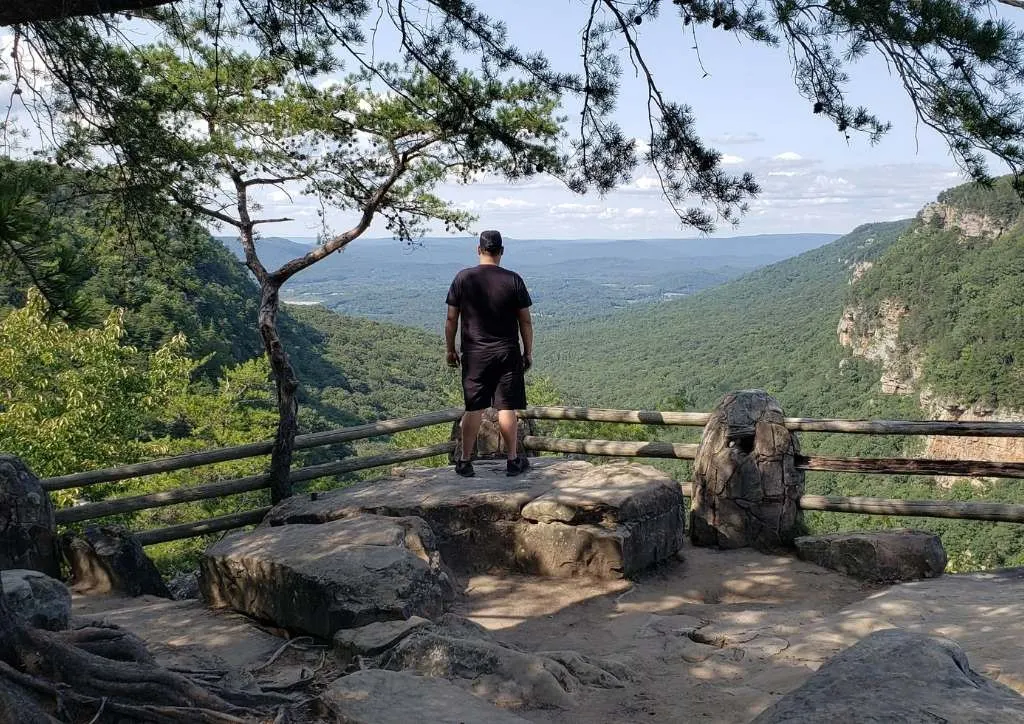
(385, 280)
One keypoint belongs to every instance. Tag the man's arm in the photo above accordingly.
(451, 325)
(526, 332)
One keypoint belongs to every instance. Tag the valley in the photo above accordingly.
(573, 279)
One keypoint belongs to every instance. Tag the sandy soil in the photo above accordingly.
(767, 623)
(716, 637)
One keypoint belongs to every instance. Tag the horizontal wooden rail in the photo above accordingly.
(1002, 512)
(641, 417)
(907, 427)
(613, 448)
(202, 527)
(90, 511)
(240, 452)
(912, 466)
(803, 424)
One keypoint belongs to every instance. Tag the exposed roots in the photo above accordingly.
(104, 674)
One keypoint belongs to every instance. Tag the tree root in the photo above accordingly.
(105, 674)
(110, 642)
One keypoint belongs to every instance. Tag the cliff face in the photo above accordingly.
(933, 287)
(999, 449)
(875, 335)
(970, 223)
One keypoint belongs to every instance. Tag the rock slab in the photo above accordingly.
(37, 599)
(28, 537)
(373, 639)
(561, 518)
(746, 486)
(110, 559)
(321, 578)
(888, 556)
(894, 675)
(397, 697)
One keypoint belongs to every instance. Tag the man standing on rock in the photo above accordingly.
(494, 306)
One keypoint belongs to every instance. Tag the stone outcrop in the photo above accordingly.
(876, 337)
(456, 649)
(110, 559)
(489, 443)
(28, 536)
(373, 639)
(322, 578)
(37, 599)
(397, 697)
(887, 556)
(894, 675)
(945, 447)
(746, 483)
(970, 223)
(562, 517)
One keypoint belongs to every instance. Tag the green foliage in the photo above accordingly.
(964, 298)
(33, 251)
(78, 399)
(776, 329)
(957, 60)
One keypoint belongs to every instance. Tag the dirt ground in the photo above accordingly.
(715, 637)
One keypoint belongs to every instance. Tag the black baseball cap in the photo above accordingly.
(490, 241)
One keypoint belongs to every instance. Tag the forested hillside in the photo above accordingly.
(776, 329)
(146, 347)
(773, 328)
(957, 285)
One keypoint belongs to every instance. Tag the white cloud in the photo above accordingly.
(728, 159)
(727, 139)
(507, 202)
(788, 156)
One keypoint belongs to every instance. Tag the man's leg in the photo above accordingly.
(509, 425)
(470, 427)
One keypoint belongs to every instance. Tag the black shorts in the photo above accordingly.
(493, 379)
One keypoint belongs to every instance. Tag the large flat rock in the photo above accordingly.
(397, 697)
(613, 493)
(884, 556)
(561, 518)
(896, 675)
(435, 494)
(321, 578)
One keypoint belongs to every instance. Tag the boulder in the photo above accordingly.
(897, 676)
(503, 675)
(397, 697)
(184, 585)
(561, 518)
(321, 578)
(28, 537)
(746, 485)
(109, 559)
(373, 639)
(489, 443)
(884, 556)
(37, 599)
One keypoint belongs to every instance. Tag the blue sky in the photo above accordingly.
(812, 178)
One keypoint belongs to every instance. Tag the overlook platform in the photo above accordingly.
(715, 637)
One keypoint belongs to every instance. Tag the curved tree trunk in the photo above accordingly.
(287, 385)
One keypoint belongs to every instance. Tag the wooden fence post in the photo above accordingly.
(746, 485)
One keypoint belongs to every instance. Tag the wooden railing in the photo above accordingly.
(875, 506)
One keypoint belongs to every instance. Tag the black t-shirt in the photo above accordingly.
(489, 299)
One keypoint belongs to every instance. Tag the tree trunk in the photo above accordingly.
(287, 385)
